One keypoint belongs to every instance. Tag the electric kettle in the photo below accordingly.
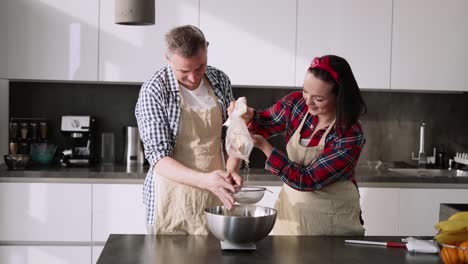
(133, 152)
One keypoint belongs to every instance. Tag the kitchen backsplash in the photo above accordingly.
(391, 125)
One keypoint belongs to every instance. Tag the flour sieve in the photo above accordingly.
(249, 194)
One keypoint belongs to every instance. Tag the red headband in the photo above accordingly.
(324, 64)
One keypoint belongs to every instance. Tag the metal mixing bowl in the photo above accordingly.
(242, 224)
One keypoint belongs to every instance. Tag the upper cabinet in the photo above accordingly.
(357, 30)
(430, 40)
(49, 39)
(397, 44)
(134, 53)
(251, 41)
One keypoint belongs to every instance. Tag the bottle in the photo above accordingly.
(13, 131)
(43, 130)
(440, 158)
(24, 130)
(34, 131)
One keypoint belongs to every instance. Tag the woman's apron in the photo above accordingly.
(179, 208)
(332, 210)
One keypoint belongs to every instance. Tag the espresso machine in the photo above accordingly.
(81, 141)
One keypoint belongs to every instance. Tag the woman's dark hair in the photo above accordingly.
(349, 102)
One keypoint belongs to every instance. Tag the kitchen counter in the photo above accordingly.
(134, 249)
(136, 175)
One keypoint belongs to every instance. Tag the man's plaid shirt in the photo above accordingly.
(158, 114)
(338, 160)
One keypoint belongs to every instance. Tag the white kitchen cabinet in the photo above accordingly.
(429, 45)
(45, 254)
(419, 209)
(96, 253)
(380, 210)
(252, 41)
(49, 39)
(117, 209)
(134, 53)
(357, 30)
(45, 212)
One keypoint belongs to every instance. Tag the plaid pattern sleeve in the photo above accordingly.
(158, 114)
(337, 162)
(279, 118)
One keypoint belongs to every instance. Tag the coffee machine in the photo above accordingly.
(81, 141)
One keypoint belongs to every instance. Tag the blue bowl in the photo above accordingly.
(43, 153)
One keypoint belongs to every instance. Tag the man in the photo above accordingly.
(180, 112)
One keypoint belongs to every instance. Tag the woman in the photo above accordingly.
(323, 142)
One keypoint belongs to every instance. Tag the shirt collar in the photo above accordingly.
(175, 84)
(209, 73)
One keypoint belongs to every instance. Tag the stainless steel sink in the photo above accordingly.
(429, 172)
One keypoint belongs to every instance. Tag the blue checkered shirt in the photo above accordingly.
(158, 114)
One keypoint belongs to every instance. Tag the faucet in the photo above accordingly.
(421, 157)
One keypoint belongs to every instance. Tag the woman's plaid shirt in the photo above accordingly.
(158, 114)
(338, 160)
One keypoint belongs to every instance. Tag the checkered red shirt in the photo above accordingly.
(336, 163)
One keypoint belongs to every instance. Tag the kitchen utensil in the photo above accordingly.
(107, 148)
(240, 227)
(80, 149)
(249, 194)
(133, 153)
(17, 161)
(43, 153)
(461, 158)
(375, 243)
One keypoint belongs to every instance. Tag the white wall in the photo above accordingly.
(4, 95)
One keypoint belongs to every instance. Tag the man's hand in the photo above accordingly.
(262, 144)
(247, 117)
(235, 179)
(220, 184)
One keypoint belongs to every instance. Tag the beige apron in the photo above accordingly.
(179, 208)
(332, 210)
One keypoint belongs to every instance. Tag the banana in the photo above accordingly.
(459, 216)
(452, 225)
(451, 238)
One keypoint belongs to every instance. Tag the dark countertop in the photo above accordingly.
(135, 249)
(121, 174)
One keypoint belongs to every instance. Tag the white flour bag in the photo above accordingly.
(239, 143)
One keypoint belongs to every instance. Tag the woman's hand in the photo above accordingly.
(262, 144)
(247, 117)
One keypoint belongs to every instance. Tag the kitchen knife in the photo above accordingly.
(387, 244)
